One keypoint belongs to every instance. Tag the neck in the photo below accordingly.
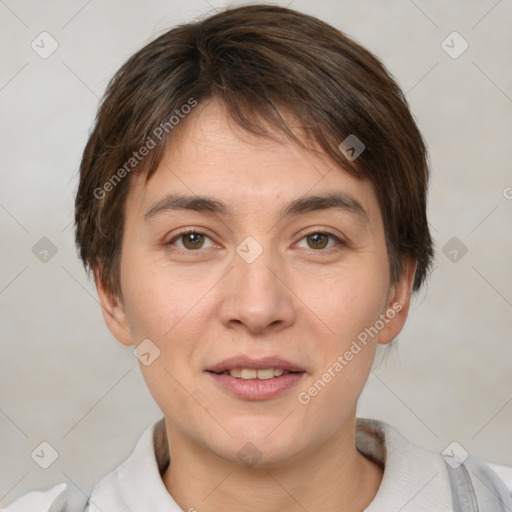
(333, 477)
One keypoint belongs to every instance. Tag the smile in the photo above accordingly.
(252, 373)
(255, 378)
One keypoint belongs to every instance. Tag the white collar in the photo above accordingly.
(136, 485)
(414, 479)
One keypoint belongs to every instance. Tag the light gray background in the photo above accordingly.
(65, 380)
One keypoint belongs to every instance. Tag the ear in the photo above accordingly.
(113, 311)
(399, 301)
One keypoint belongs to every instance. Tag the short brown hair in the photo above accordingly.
(260, 62)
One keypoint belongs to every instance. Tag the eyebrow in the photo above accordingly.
(301, 205)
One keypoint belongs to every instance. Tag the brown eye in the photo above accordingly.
(190, 240)
(321, 241)
(317, 240)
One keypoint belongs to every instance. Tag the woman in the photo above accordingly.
(252, 204)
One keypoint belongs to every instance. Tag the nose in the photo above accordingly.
(255, 296)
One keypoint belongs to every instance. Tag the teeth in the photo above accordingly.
(251, 373)
(267, 373)
(248, 373)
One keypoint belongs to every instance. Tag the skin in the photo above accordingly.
(304, 299)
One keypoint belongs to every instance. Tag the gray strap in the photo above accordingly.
(463, 492)
(476, 488)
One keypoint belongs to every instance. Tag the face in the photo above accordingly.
(254, 268)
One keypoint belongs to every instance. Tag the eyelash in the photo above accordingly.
(188, 231)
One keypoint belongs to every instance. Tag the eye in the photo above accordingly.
(191, 240)
(320, 240)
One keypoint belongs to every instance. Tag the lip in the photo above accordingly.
(255, 389)
(254, 363)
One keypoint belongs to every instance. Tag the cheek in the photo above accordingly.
(345, 354)
(346, 301)
(161, 308)
(155, 300)
(171, 312)
(346, 311)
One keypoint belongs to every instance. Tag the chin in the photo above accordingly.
(261, 446)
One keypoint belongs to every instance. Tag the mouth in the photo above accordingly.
(247, 368)
(255, 379)
(253, 373)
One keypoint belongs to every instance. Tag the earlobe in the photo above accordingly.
(398, 307)
(113, 311)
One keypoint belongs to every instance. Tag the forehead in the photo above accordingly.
(211, 156)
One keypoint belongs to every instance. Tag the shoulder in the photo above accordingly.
(487, 472)
(479, 485)
(427, 480)
(116, 489)
(56, 499)
(504, 472)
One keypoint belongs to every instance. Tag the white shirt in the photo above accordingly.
(415, 479)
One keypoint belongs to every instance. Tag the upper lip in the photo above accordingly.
(254, 363)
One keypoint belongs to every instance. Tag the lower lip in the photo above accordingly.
(255, 389)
